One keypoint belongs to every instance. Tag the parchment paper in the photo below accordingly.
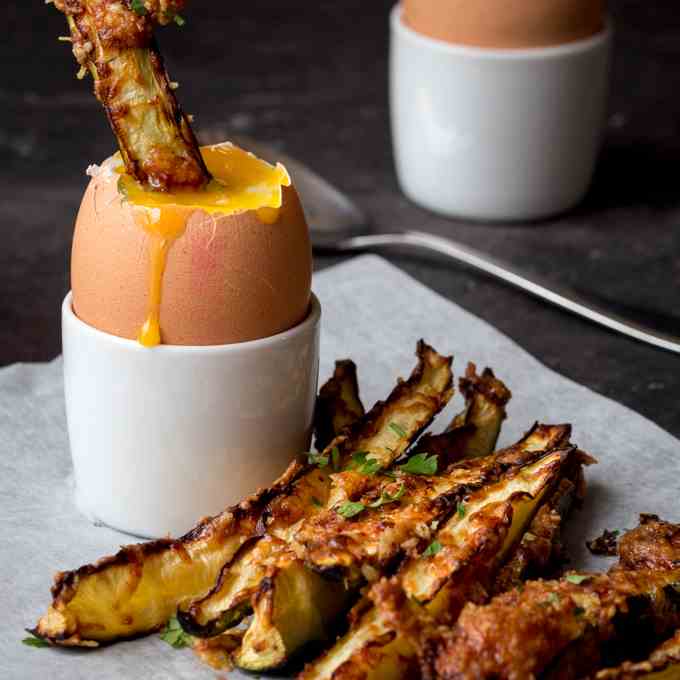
(374, 314)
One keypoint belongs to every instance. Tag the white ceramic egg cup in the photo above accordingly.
(162, 437)
(496, 134)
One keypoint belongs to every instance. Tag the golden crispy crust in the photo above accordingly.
(377, 536)
(553, 624)
(475, 430)
(654, 544)
(115, 44)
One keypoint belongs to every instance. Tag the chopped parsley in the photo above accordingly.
(317, 459)
(397, 429)
(554, 598)
(34, 641)
(138, 7)
(577, 579)
(432, 549)
(460, 509)
(386, 497)
(363, 464)
(317, 502)
(174, 635)
(420, 464)
(350, 509)
(179, 20)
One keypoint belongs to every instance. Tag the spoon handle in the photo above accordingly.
(560, 297)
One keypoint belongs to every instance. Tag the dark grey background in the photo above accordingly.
(311, 78)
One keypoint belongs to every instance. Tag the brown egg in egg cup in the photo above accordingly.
(163, 434)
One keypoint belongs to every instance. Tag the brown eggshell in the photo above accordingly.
(229, 278)
(510, 23)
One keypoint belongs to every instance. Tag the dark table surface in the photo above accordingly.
(310, 77)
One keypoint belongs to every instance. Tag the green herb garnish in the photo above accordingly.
(335, 459)
(432, 549)
(317, 459)
(363, 464)
(174, 635)
(460, 509)
(397, 429)
(553, 598)
(317, 502)
(576, 578)
(179, 20)
(350, 509)
(386, 497)
(34, 641)
(138, 7)
(420, 464)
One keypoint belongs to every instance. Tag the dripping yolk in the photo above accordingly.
(241, 182)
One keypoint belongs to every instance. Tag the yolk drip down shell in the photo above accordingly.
(230, 264)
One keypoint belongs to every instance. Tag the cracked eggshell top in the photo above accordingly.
(228, 278)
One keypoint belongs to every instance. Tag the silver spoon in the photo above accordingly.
(339, 225)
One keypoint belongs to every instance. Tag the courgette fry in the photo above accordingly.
(230, 600)
(473, 432)
(662, 664)
(338, 404)
(413, 403)
(653, 544)
(540, 553)
(456, 568)
(137, 590)
(115, 43)
(556, 629)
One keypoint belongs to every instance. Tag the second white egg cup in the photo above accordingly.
(496, 134)
(161, 437)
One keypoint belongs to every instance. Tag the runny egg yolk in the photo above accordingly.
(241, 182)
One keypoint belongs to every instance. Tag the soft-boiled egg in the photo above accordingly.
(515, 23)
(227, 263)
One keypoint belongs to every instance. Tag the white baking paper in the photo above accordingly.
(373, 313)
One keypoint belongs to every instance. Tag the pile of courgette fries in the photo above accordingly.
(405, 538)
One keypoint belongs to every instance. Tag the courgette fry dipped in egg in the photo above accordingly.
(381, 435)
(113, 41)
(458, 565)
